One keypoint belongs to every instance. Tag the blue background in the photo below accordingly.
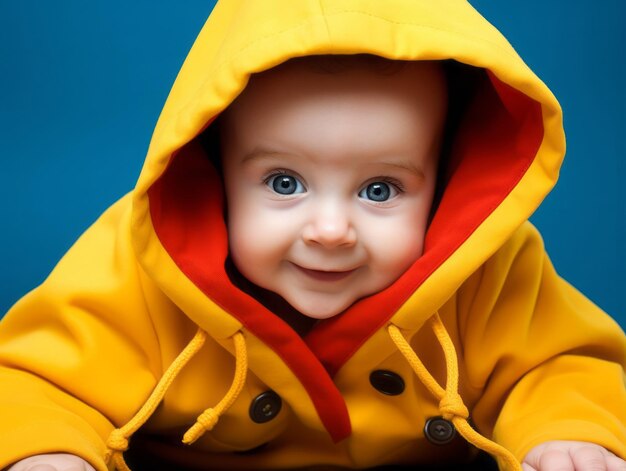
(82, 84)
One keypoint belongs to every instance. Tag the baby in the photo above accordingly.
(367, 265)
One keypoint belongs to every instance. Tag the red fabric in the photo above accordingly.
(186, 211)
(494, 148)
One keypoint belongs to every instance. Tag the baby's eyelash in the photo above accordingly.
(276, 173)
(397, 184)
(284, 182)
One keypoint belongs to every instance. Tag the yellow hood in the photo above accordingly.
(506, 155)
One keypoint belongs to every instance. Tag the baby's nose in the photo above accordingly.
(330, 227)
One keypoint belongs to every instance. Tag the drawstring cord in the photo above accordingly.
(207, 420)
(117, 443)
(451, 404)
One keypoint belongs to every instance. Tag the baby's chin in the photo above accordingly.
(319, 308)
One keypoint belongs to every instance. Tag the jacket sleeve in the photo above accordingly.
(550, 363)
(78, 354)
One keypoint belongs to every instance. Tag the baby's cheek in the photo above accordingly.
(255, 244)
(398, 248)
(394, 257)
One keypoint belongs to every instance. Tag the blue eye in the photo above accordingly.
(285, 184)
(378, 192)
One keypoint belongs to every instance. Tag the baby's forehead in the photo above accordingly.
(336, 68)
(344, 75)
(339, 112)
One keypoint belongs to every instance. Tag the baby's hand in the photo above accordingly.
(52, 462)
(571, 456)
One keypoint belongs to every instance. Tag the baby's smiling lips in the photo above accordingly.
(324, 275)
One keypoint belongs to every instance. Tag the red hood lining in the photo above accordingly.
(493, 148)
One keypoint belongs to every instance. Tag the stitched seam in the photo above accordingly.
(478, 39)
(324, 17)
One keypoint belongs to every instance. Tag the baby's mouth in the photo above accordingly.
(325, 275)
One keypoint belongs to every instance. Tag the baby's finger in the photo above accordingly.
(527, 467)
(613, 463)
(41, 467)
(52, 462)
(590, 458)
(557, 460)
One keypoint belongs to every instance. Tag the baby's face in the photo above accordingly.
(329, 180)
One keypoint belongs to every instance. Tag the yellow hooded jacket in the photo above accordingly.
(138, 328)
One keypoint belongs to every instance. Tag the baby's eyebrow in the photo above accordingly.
(410, 167)
(261, 153)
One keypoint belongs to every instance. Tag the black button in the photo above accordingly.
(387, 382)
(439, 431)
(265, 407)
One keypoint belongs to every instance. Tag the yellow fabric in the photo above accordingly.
(93, 355)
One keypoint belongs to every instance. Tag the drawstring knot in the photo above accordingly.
(117, 444)
(451, 406)
(205, 422)
(117, 441)
(208, 419)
